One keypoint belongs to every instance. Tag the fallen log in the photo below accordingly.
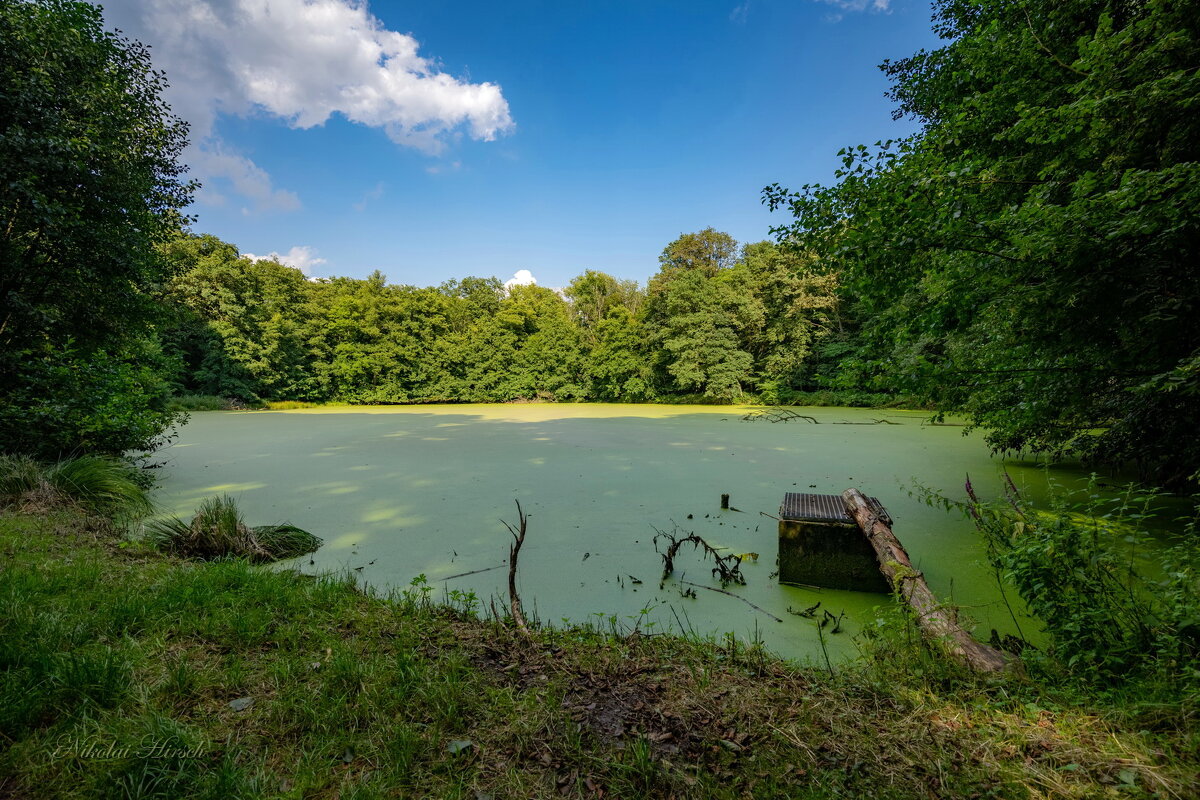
(935, 621)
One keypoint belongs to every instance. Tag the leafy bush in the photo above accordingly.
(101, 484)
(217, 531)
(1118, 604)
(63, 401)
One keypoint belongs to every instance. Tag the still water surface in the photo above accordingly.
(402, 491)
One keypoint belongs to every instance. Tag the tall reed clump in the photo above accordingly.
(102, 485)
(217, 531)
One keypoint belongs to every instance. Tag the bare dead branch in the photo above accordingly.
(514, 552)
(735, 596)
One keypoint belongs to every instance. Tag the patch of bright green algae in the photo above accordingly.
(402, 491)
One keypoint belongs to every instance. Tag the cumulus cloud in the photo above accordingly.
(301, 257)
(303, 61)
(521, 277)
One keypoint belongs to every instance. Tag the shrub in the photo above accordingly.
(58, 402)
(1118, 604)
(217, 530)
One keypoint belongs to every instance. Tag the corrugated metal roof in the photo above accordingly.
(824, 508)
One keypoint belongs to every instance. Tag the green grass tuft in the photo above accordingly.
(100, 484)
(218, 531)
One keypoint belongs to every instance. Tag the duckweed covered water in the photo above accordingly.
(402, 491)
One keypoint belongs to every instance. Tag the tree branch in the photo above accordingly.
(514, 552)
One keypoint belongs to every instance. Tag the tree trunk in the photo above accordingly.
(934, 620)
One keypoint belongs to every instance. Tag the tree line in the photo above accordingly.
(716, 323)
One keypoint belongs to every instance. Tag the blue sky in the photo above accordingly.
(441, 139)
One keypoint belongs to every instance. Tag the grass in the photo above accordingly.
(127, 673)
(218, 531)
(104, 485)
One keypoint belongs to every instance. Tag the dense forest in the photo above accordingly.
(1026, 259)
(715, 324)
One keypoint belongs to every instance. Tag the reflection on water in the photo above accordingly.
(397, 492)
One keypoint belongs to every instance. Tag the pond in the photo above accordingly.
(402, 491)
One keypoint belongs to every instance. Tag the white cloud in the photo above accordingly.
(857, 5)
(740, 12)
(244, 177)
(373, 194)
(301, 257)
(302, 61)
(521, 277)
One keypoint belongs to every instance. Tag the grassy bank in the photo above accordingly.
(131, 674)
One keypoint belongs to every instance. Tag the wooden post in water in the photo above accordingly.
(935, 622)
(724, 502)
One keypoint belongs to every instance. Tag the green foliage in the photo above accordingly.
(89, 184)
(217, 531)
(595, 295)
(699, 311)
(241, 325)
(853, 398)
(1028, 257)
(199, 402)
(799, 311)
(374, 342)
(1119, 605)
(713, 325)
(101, 484)
(68, 400)
(616, 367)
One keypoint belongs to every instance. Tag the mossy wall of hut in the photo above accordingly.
(829, 555)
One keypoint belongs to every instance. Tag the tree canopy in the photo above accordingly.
(90, 183)
(260, 330)
(1029, 256)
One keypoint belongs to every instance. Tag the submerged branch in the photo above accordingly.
(735, 596)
